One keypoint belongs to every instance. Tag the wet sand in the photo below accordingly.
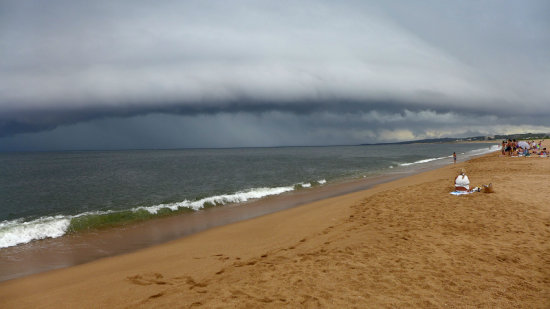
(406, 243)
(79, 248)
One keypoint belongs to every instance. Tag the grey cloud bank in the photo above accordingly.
(260, 73)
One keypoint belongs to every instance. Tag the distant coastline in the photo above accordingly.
(473, 139)
(434, 141)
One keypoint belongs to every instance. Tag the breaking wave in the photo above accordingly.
(15, 232)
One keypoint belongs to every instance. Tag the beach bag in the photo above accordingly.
(488, 188)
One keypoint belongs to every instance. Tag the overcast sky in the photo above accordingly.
(170, 74)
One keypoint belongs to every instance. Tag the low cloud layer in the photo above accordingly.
(161, 131)
(388, 70)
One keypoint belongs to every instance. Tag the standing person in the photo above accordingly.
(454, 156)
(508, 149)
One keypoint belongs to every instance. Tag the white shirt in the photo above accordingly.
(462, 181)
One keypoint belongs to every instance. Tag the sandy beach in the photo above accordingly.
(407, 243)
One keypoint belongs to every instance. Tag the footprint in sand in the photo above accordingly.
(241, 264)
(221, 257)
(156, 295)
(193, 284)
(147, 279)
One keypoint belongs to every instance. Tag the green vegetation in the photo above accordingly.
(524, 136)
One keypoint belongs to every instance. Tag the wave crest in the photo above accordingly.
(238, 197)
(15, 232)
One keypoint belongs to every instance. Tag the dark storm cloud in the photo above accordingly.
(161, 131)
(412, 68)
(47, 119)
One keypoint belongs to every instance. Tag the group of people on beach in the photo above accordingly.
(514, 148)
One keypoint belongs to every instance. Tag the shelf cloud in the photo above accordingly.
(370, 70)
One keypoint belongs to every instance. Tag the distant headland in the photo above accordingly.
(523, 136)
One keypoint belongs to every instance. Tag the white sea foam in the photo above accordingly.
(470, 153)
(422, 161)
(239, 197)
(17, 232)
(485, 150)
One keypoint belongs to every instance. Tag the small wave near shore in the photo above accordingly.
(475, 152)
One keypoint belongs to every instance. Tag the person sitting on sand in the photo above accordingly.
(462, 183)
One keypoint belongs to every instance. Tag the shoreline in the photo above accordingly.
(83, 247)
(229, 260)
(134, 206)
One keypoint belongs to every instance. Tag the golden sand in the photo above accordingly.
(408, 243)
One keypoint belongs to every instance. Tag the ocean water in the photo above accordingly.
(50, 194)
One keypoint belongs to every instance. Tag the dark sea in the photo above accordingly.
(50, 194)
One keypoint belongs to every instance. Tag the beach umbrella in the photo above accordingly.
(523, 145)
